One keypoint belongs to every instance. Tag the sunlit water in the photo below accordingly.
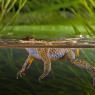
(64, 79)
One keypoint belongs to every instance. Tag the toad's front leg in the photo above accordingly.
(47, 63)
(25, 66)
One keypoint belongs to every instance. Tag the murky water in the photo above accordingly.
(64, 77)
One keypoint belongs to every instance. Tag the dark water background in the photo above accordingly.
(64, 79)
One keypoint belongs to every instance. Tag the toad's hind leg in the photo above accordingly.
(85, 65)
(47, 63)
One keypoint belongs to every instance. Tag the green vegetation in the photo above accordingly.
(47, 32)
(71, 13)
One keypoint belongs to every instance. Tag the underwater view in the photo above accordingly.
(64, 78)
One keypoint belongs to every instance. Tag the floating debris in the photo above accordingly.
(66, 43)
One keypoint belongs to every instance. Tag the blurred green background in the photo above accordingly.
(42, 18)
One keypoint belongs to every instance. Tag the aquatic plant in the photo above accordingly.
(6, 6)
(73, 13)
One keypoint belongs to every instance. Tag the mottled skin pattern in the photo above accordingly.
(47, 55)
